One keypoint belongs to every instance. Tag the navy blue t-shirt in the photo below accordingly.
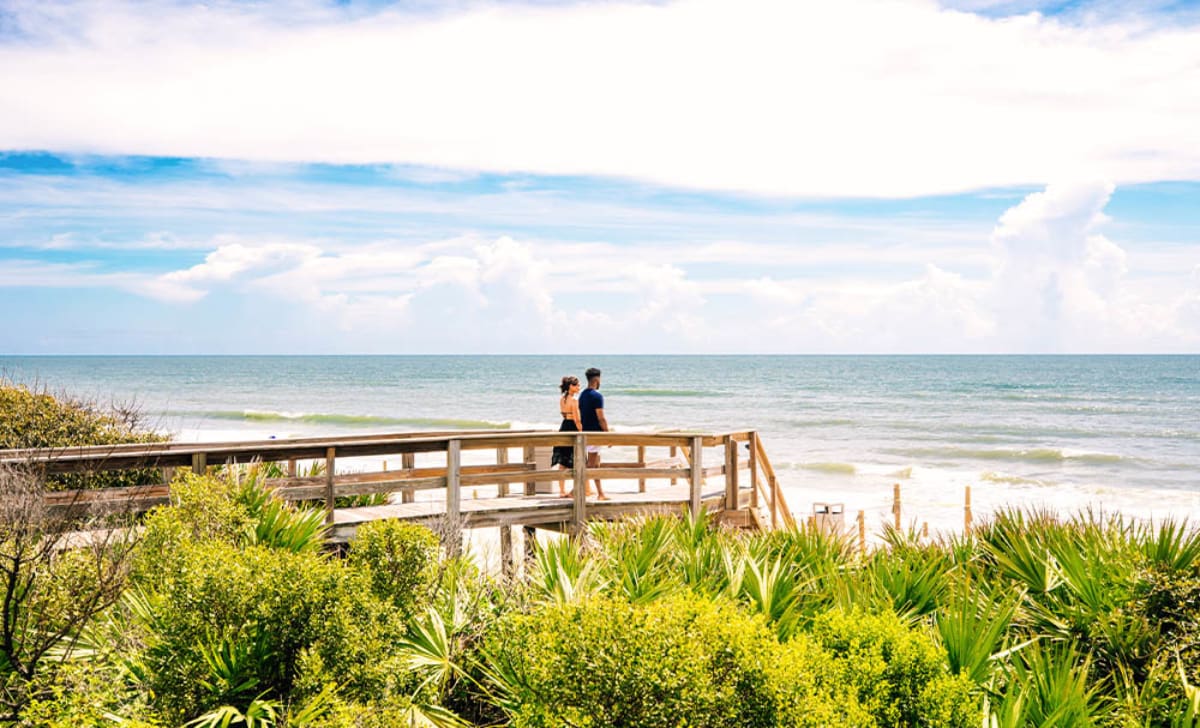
(590, 400)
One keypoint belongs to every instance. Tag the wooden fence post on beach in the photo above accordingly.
(862, 533)
(696, 475)
(967, 514)
(896, 504)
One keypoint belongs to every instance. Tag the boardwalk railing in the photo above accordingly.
(680, 457)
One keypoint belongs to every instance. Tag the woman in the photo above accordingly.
(564, 455)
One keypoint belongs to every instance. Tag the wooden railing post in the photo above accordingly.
(579, 511)
(506, 533)
(674, 452)
(530, 459)
(200, 463)
(697, 474)
(408, 461)
(502, 459)
(731, 474)
(453, 498)
(753, 458)
(329, 499)
(291, 467)
(641, 455)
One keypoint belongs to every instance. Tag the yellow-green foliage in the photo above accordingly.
(900, 675)
(220, 617)
(682, 660)
(30, 420)
(399, 559)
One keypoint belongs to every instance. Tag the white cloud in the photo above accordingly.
(1053, 282)
(863, 97)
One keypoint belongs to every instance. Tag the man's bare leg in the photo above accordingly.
(593, 461)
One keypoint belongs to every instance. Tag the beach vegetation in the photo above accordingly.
(228, 610)
(32, 418)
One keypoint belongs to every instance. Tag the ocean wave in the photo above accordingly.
(839, 468)
(345, 419)
(831, 422)
(1036, 455)
(640, 392)
(1008, 479)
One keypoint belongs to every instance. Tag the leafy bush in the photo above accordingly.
(606, 662)
(399, 559)
(807, 689)
(899, 674)
(32, 420)
(234, 623)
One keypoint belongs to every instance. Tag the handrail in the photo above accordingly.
(120, 457)
(778, 502)
(327, 486)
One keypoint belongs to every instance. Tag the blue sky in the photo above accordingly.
(879, 176)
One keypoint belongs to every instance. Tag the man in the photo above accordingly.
(591, 416)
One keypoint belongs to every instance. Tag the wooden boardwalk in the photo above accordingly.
(539, 511)
(511, 469)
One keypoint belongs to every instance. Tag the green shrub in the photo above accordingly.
(232, 623)
(34, 420)
(606, 662)
(80, 693)
(202, 509)
(900, 674)
(399, 559)
(807, 689)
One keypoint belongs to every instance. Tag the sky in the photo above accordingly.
(698, 176)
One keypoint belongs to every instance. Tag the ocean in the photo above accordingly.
(1117, 433)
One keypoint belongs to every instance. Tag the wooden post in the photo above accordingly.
(862, 532)
(168, 475)
(329, 459)
(774, 501)
(502, 488)
(967, 514)
(579, 511)
(925, 529)
(200, 463)
(530, 539)
(642, 462)
(530, 459)
(453, 498)
(674, 453)
(408, 461)
(753, 456)
(506, 533)
(731, 474)
(291, 467)
(506, 551)
(896, 504)
(695, 476)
